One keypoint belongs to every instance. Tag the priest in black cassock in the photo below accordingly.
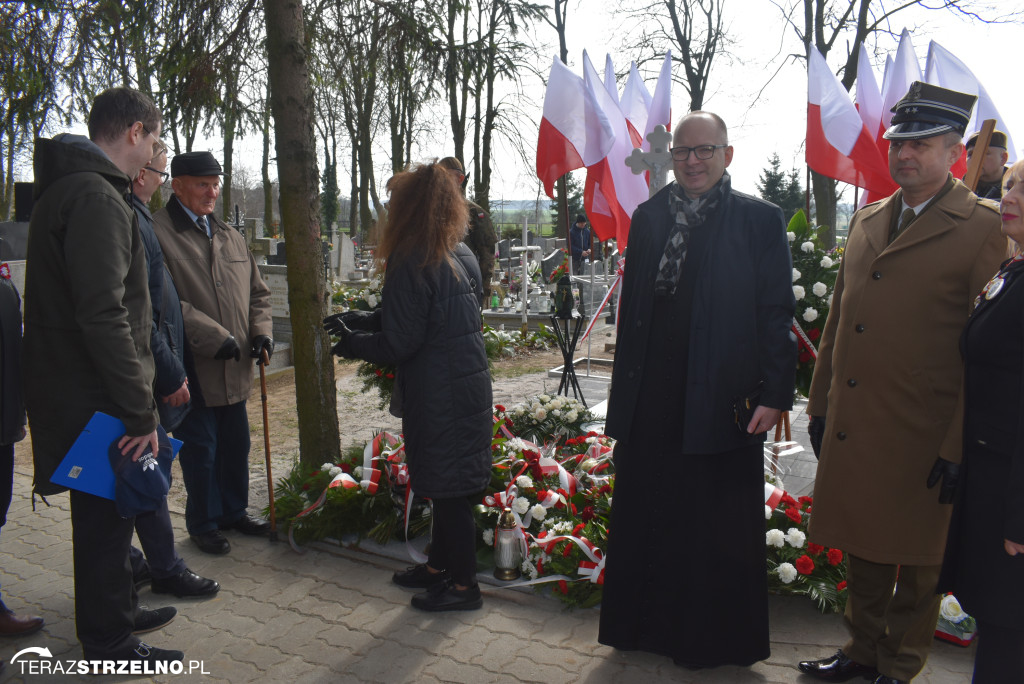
(705, 314)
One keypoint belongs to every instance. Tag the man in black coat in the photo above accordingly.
(705, 319)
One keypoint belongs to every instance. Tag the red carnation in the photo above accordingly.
(835, 556)
(804, 565)
(390, 376)
(787, 500)
(604, 489)
(346, 468)
(540, 567)
(814, 549)
(379, 372)
(814, 334)
(567, 550)
(793, 514)
(499, 407)
(841, 586)
(805, 500)
(805, 357)
(563, 587)
(588, 514)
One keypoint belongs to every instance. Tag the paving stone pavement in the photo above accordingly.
(332, 615)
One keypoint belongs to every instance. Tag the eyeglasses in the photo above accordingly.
(700, 151)
(163, 174)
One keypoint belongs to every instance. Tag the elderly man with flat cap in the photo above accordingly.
(990, 183)
(226, 307)
(886, 400)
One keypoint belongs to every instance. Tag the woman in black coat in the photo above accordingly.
(984, 564)
(429, 327)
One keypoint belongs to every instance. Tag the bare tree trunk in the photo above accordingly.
(292, 102)
(268, 188)
(230, 125)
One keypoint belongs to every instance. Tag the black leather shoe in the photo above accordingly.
(418, 577)
(211, 542)
(141, 651)
(837, 668)
(248, 525)
(12, 625)
(149, 620)
(186, 584)
(883, 679)
(142, 578)
(444, 596)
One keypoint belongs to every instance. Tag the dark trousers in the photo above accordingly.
(892, 623)
(6, 487)
(215, 465)
(105, 599)
(157, 539)
(453, 539)
(1000, 654)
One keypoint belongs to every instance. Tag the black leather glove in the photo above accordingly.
(816, 429)
(370, 321)
(949, 473)
(259, 343)
(343, 347)
(228, 350)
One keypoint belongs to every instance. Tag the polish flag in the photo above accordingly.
(661, 103)
(612, 191)
(574, 130)
(946, 70)
(869, 105)
(905, 70)
(635, 105)
(610, 84)
(838, 143)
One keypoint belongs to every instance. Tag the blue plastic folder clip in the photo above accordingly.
(87, 466)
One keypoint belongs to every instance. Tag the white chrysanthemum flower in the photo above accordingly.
(488, 537)
(819, 289)
(561, 526)
(796, 275)
(571, 417)
(530, 569)
(774, 538)
(790, 235)
(556, 414)
(810, 315)
(807, 247)
(768, 512)
(591, 440)
(795, 538)
(357, 472)
(371, 300)
(521, 505)
(786, 572)
(524, 482)
(798, 291)
(826, 262)
(538, 512)
(327, 466)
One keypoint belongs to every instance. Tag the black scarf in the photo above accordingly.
(688, 213)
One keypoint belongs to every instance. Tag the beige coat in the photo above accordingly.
(889, 375)
(222, 293)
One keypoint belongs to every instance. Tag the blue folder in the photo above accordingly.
(87, 466)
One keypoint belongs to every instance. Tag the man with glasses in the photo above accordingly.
(705, 314)
(86, 349)
(226, 309)
(162, 567)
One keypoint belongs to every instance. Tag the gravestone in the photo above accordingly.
(549, 263)
(346, 251)
(276, 278)
(13, 240)
(277, 257)
(504, 248)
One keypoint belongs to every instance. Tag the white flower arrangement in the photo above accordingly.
(826, 262)
(796, 275)
(950, 609)
(521, 505)
(787, 573)
(371, 300)
(795, 538)
(798, 292)
(357, 472)
(524, 482)
(775, 537)
(488, 536)
(810, 315)
(529, 569)
(790, 235)
(819, 289)
(538, 511)
(807, 247)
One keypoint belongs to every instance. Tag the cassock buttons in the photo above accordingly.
(841, 436)
(859, 328)
(851, 382)
(877, 275)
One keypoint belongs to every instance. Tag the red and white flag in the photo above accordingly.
(636, 105)
(869, 105)
(661, 103)
(574, 130)
(839, 145)
(946, 70)
(612, 191)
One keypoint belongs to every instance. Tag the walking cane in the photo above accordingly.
(264, 361)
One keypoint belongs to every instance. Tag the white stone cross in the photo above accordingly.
(656, 161)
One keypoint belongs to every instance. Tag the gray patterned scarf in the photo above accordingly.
(689, 213)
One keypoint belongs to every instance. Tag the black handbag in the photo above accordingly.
(743, 407)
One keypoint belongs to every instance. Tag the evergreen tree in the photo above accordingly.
(574, 190)
(329, 204)
(780, 188)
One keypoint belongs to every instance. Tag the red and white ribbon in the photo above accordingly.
(804, 340)
(604, 302)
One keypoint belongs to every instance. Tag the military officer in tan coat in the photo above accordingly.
(886, 398)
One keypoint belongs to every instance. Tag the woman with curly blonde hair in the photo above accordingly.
(429, 327)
